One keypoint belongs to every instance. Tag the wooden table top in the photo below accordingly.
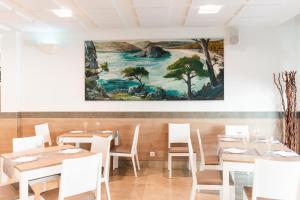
(87, 134)
(48, 156)
(255, 150)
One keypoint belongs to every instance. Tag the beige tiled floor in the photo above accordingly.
(153, 183)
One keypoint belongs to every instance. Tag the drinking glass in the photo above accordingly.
(256, 134)
(85, 125)
(97, 126)
(269, 143)
(245, 142)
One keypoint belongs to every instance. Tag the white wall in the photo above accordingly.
(56, 82)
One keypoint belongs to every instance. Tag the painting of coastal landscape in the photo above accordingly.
(155, 70)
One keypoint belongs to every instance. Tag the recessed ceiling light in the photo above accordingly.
(209, 9)
(63, 12)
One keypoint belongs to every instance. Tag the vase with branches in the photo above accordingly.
(286, 85)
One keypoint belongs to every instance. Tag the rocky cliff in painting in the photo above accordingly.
(153, 51)
(92, 71)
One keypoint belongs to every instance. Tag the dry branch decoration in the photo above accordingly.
(286, 85)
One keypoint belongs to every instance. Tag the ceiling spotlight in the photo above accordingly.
(63, 12)
(209, 9)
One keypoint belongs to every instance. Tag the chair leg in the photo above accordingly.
(193, 193)
(245, 196)
(115, 162)
(137, 162)
(107, 190)
(133, 163)
(232, 192)
(170, 165)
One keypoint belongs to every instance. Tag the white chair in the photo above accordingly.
(80, 178)
(127, 151)
(275, 180)
(102, 145)
(207, 162)
(179, 134)
(237, 130)
(27, 143)
(43, 130)
(206, 180)
(11, 192)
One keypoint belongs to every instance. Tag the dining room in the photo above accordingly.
(149, 99)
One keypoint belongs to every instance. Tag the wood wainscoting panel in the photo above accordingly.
(154, 131)
(8, 131)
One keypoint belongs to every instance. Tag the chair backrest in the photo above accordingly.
(202, 156)
(27, 143)
(135, 139)
(237, 130)
(80, 175)
(193, 165)
(276, 179)
(102, 145)
(43, 129)
(178, 133)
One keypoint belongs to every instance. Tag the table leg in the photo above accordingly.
(226, 184)
(23, 185)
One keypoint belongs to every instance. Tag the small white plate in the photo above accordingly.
(235, 150)
(266, 141)
(77, 131)
(25, 159)
(70, 151)
(106, 131)
(228, 139)
(285, 153)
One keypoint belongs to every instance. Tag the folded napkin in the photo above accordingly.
(285, 153)
(234, 150)
(267, 141)
(24, 159)
(226, 139)
(70, 151)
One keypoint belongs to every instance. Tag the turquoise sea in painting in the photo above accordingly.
(154, 70)
(156, 66)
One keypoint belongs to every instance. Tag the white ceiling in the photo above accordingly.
(36, 15)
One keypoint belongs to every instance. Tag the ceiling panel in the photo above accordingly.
(38, 5)
(151, 3)
(260, 11)
(103, 14)
(110, 25)
(150, 24)
(153, 14)
(94, 4)
(11, 18)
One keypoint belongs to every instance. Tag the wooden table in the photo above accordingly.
(86, 137)
(25, 172)
(245, 162)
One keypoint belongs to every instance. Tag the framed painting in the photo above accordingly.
(155, 70)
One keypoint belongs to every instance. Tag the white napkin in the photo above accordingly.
(24, 159)
(70, 151)
(285, 153)
(234, 150)
(77, 131)
(228, 139)
(266, 141)
(106, 131)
